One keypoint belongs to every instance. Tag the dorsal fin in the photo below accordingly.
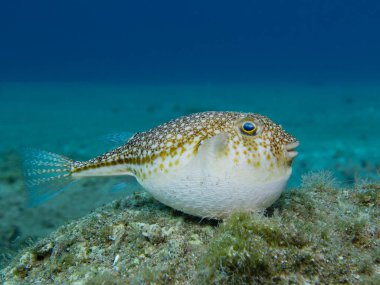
(114, 140)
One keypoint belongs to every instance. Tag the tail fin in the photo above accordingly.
(46, 173)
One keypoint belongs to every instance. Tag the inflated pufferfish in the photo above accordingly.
(206, 164)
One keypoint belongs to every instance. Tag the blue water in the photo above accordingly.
(170, 41)
(73, 71)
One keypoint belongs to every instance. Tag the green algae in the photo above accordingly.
(318, 233)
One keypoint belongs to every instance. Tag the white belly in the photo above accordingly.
(214, 191)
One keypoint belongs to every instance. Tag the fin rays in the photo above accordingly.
(46, 173)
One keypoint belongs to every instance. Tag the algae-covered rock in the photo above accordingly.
(135, 240)
(316, 234)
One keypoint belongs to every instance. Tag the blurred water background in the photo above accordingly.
(73, 71)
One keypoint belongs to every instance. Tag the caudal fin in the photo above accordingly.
(46, 174)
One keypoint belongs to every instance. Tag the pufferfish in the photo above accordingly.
(207, 164)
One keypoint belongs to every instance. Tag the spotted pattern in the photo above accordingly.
(174, 143)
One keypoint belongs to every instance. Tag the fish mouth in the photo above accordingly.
(290, 152)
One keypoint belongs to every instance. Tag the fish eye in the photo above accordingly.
(248, 128)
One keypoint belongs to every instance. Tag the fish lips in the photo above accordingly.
(290, 152)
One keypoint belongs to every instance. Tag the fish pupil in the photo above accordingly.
(248, 126)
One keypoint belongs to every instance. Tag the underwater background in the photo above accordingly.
(74, 71)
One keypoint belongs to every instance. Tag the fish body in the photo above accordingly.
(206, 164)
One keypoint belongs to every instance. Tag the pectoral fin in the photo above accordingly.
(212, 151)
(214, 146)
